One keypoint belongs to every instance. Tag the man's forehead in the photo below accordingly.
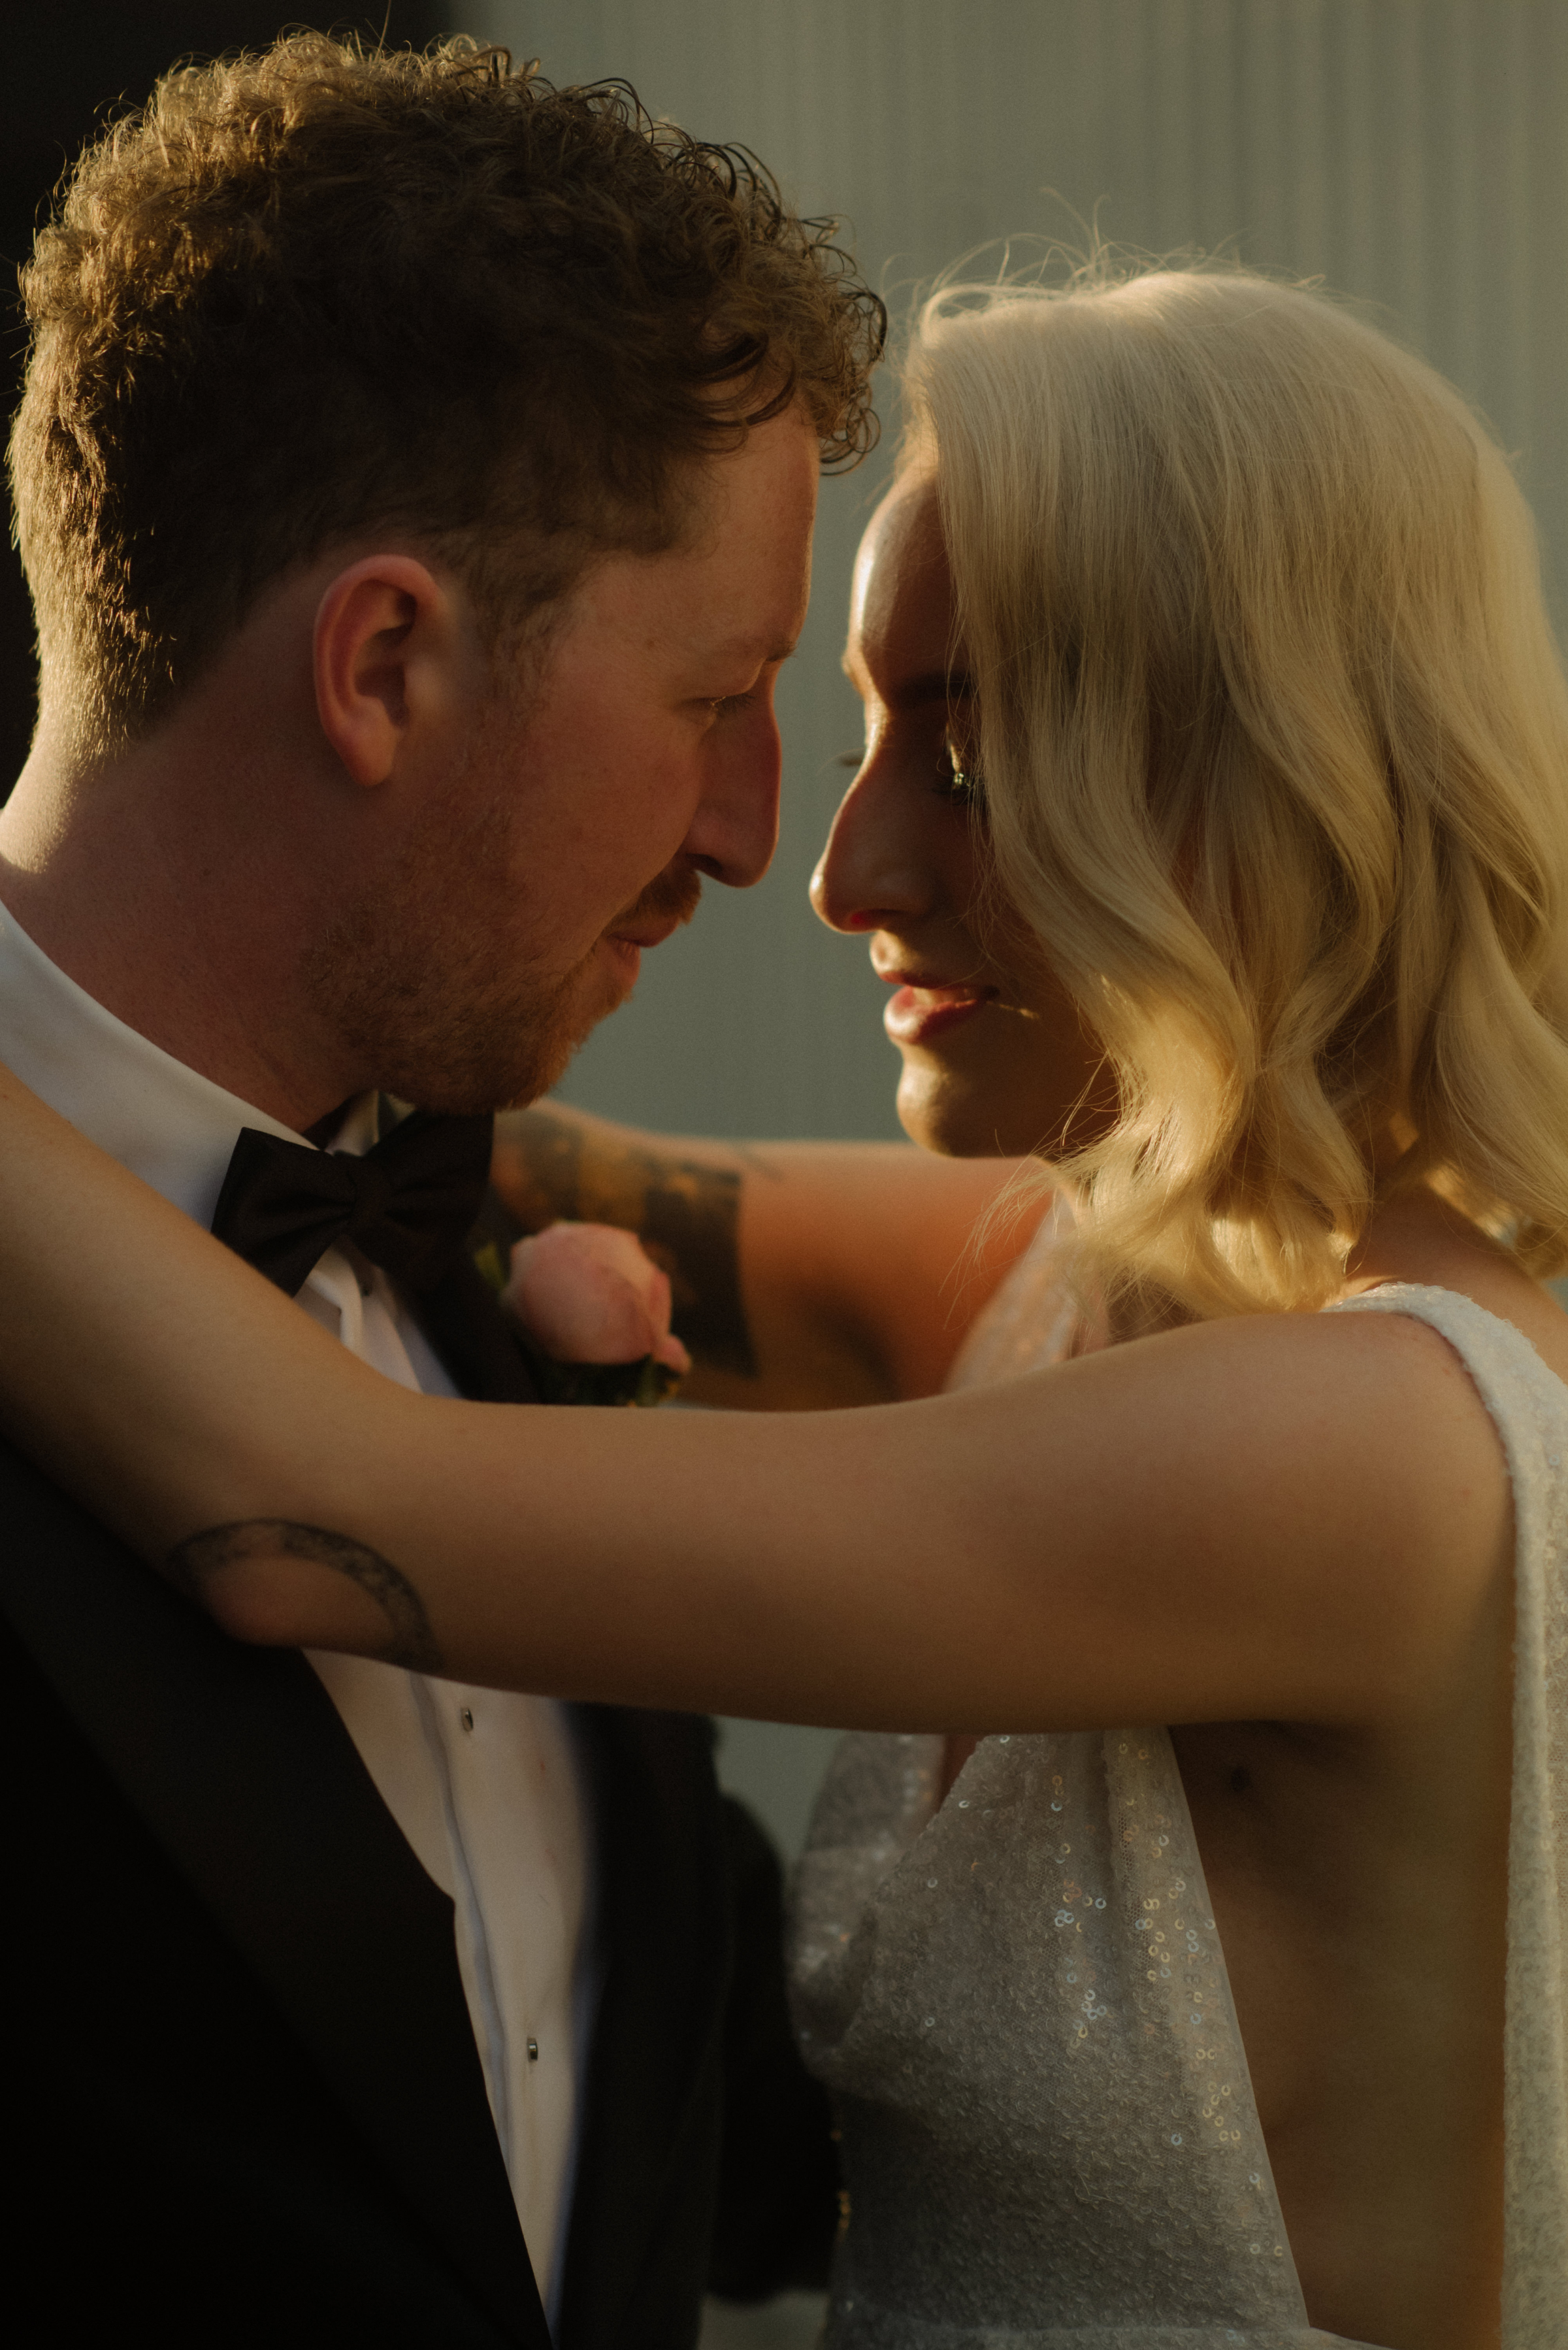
(755, 621)
(733, 592)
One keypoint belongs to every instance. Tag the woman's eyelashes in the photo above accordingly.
(959, 778)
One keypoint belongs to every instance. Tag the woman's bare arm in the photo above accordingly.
(807, 1276)
(1151, 1533)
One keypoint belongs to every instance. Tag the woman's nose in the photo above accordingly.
(872, 876)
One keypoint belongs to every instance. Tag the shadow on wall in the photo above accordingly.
(65, 77)
(794, 2321)
(776, 1768)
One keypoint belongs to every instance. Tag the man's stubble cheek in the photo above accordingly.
(429, 989)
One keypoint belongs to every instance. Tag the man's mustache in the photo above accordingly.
(673, 897)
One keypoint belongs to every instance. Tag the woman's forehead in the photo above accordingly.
(901, 610)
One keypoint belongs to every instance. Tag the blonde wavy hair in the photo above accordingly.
(1274, 740)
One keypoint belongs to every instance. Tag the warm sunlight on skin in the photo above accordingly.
(655, 748)
(995, 1061)
(436, 871)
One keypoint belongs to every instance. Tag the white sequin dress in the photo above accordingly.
(1021, 2004)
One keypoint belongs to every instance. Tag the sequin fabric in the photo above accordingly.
(1019, 2002)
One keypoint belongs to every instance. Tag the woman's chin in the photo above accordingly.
(1002, 1087)
(954, 1118)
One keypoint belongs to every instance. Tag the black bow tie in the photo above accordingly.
(407, 1205)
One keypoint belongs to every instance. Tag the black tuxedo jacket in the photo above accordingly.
(242, 2092)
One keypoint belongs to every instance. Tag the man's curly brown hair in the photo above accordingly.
(322, 291)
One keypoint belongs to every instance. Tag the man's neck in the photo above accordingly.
(150, 883)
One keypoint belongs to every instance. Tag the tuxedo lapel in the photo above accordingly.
(642, 2209)
(237, 1761)
(464, 1323)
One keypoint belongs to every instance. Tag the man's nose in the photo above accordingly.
(736, 827)
(870, 876)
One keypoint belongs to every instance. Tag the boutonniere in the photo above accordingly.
(591, 1311)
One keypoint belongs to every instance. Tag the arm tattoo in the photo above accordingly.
(687, 1216)
(193, 1564)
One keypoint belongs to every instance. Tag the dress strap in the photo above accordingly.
(1528, 1404)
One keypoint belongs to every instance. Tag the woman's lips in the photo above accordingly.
(919, 1013)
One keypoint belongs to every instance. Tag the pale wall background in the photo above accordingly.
(1411, 152)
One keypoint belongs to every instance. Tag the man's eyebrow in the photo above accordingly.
(758, 648)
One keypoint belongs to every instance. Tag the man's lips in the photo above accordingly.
(924, 1007)
(661, 910)
(637, 935)
(625, 949)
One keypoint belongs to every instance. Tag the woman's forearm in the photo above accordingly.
(993, 1557)
(1082, 1546)
(807, 1276)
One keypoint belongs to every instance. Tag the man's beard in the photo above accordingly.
(430, 1006)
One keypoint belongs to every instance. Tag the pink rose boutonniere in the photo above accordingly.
(589, 1297)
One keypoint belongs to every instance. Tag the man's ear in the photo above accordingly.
(385, 633)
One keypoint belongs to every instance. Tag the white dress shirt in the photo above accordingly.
(485, 1785)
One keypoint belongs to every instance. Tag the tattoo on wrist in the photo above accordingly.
(194, 1564)
(687, 1216)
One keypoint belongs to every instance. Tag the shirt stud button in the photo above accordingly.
(533, 2051)
(466, 1717)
